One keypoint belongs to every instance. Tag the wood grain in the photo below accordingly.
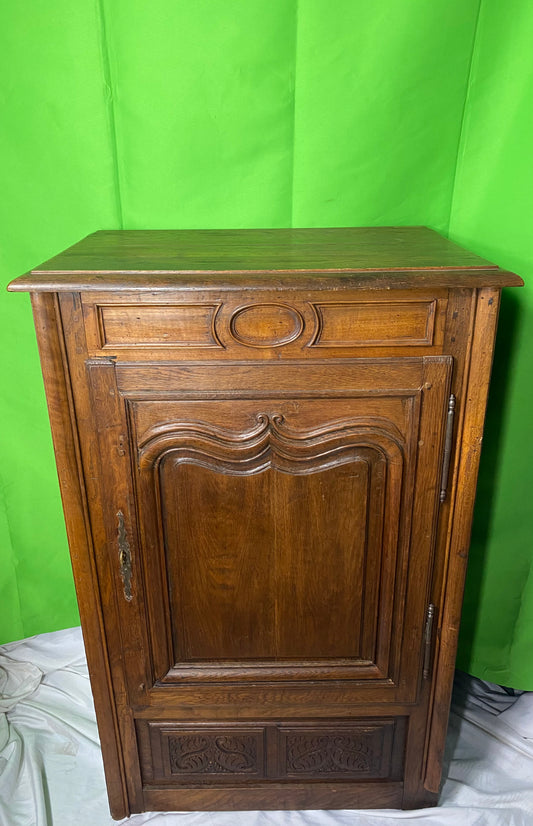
(217, 753)
(377, 257)
(249, 431)
(275, 796)
(63, 423)
(134, 326)
(373, 324)
(468, 455)
(179, 325)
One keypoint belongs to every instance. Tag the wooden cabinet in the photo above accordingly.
(267, 443)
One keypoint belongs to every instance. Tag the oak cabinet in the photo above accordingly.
(267, 444)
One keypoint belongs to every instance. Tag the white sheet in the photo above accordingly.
(51, 772)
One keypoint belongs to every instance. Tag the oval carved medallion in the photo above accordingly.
(266, 325)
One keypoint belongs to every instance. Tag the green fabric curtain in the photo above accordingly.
(492, 212)
(240, 113)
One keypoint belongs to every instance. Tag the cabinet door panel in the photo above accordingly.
(219, 571)
(277, 538)
(282, 539)
(266, 565)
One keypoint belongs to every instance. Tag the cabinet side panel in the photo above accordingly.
(469, 437)
(65, 438)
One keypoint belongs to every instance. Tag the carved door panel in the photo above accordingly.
(271, 515)
(284, 536)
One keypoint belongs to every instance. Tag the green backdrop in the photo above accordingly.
(241, 113)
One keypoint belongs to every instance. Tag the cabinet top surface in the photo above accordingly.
(371, 257)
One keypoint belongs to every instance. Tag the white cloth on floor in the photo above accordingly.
(51, 768)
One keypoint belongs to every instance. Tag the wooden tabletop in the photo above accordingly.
(371, 257)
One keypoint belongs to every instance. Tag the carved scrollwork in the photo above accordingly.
(270, 442)
(329, 754)
(213, 754)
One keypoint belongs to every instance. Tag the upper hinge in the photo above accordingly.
(447, 448)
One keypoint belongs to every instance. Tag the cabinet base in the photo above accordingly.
(278, 796)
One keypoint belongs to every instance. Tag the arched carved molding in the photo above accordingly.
(270, 442)
(371, 445)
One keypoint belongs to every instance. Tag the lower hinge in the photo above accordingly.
(428, 639)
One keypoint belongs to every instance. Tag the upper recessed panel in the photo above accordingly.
(266, 325)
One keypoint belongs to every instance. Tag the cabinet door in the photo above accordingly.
(284, 520)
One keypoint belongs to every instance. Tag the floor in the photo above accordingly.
(51, 773)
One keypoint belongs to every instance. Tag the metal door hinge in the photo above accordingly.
(428, 639)
(447, 448)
